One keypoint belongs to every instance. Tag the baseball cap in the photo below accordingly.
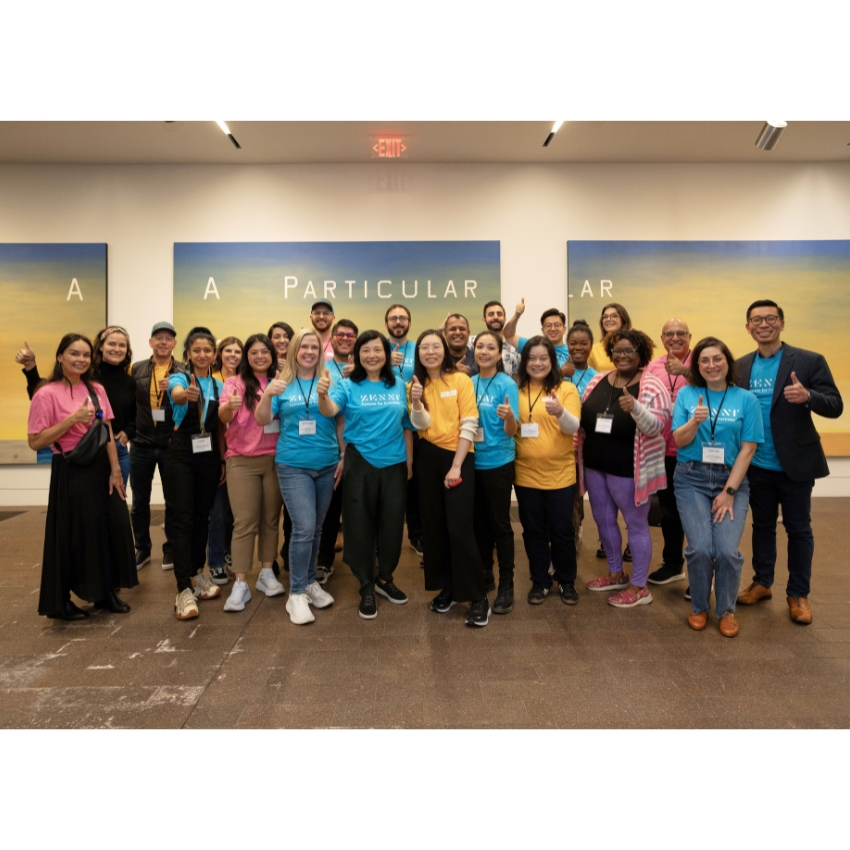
(322, 303)
(163, 326)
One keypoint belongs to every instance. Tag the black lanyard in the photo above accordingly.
(478, 395)
(308, 396)
(583, 376)
(159, 395)
(530, 405)
(338, 370)
(403, 356)
(713, 423)
(614, 386)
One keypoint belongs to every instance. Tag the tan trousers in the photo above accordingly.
(255, 501)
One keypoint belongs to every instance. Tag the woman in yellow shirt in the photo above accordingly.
(614, 317)
(545, 470)
(443, 410)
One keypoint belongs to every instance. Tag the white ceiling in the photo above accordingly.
(202, 142)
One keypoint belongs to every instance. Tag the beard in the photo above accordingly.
(396, 332)
(495, 325)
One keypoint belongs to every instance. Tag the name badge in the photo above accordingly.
(712, 453)
(201, 443)
(307, 426)
(530, 429)
(273, 427)
(448, 393)
(158, 414)
(604, 423)
(479, 435)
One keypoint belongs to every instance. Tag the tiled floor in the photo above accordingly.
(548, 666)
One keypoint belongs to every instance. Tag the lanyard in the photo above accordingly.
(478, 395)
(203, 401)
(613, 387)
(306, 397)
(530, 404)
(159, 395)
(403, 358)
(582, 378)
(713, 422)
(338, 370)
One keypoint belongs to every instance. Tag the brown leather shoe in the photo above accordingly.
(801, 612)
(728, 625)
(698, 621)
(754, 593)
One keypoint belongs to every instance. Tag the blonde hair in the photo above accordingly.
(289, 372)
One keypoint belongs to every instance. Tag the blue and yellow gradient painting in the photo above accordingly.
(240, 288)
(711, 284)
(48, 291)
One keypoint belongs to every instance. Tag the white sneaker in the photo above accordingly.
(204, 588)
(318, 597)
(185, 607)
(299, 609)
(239, 597)
(268, 584)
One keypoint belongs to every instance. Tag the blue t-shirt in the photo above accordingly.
(335, 371)
(762, 384)
(179, 379)
(581, 378)
(304, 451)
(498, 448)
(375, 419)
(739, 420)
(408, 350)
(562, 352)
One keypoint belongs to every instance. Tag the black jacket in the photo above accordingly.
(148, 432)
(795, 437)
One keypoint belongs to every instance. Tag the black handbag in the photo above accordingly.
(94, 441)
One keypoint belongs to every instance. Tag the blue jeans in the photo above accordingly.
(307, 494)
(712, 546)
(221, 528)
(123, 460)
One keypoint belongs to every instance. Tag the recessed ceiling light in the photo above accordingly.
(769, 135)
(226, 130)
(555, 127)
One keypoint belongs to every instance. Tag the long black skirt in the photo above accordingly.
(88, 540)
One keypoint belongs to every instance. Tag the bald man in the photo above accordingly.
(672, 368)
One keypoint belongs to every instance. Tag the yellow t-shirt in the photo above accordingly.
(545, 462)
(158, 397)
(599, 359)
(448, 400)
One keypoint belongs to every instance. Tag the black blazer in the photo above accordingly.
(796, 440)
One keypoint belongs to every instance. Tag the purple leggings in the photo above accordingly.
(608, 493)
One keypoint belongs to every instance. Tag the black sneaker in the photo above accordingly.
(479, 613)
(368, 610)
(276, 568)
(168, 560)
(218, 575)
(388, 590)
(537, 593)
(568, 593)
(442, 601)
(666, 574)
(627, 554)
(490, 581)
(142, 558)
(600, 553)
(416, 545)
(504, 603)
(688, 593)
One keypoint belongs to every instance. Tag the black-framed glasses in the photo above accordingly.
(397, 320)
(623, 352)
(757, 320)
(671, 334)
(322, 313)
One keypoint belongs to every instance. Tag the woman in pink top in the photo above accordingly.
(88, 543)
(251, 472)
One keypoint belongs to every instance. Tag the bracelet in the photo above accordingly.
(341, 455)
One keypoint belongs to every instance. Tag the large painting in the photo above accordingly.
(711, 284)
(240, 288)
(48, 290)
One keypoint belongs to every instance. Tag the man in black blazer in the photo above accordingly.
(791, 384)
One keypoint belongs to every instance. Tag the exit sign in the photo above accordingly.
(389, 147)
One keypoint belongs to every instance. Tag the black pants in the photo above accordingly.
(144, 459)
(547, 531)
(414, 514)
(493, 519)
(373, 506)
(191, 483)
(451, 555)
(671, 524)
(768, 490)
(331, 526)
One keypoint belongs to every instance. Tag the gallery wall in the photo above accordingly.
(140, 211)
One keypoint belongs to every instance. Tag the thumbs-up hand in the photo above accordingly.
(347, 370)
(674, 366)
(25, 357)
(796, 393)
(235, 401)
(700, 411)
(397, 358)
(416, 392)
(504, 410)
(627, 401)
(193, 393)
(277, 386)
(324, 385)
(520, 308)
(553, 406)
(84, 413)
(462, 367)
(163, 382)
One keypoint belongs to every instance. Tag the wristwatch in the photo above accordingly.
(731, 490)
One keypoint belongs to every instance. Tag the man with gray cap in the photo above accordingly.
(154, 427)
(322, 319)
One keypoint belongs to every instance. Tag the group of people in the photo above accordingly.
(376, 430)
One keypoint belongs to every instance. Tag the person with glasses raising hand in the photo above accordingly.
(791, 384)
(553, 325)
(321, 317)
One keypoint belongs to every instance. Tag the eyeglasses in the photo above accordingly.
(671, 334)
(757, 320)
(610, 316)
(397, 320)
(555, 326)
(708, 361)
(346, 336)
(623, 352)
(322, 313)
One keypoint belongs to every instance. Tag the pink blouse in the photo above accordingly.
(57, 401)
(243, 436)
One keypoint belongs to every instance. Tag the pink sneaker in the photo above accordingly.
(628, 599)
(608, 582)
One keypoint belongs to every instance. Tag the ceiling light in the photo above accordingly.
(226, 130)
(555, 127)
(769, 135)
